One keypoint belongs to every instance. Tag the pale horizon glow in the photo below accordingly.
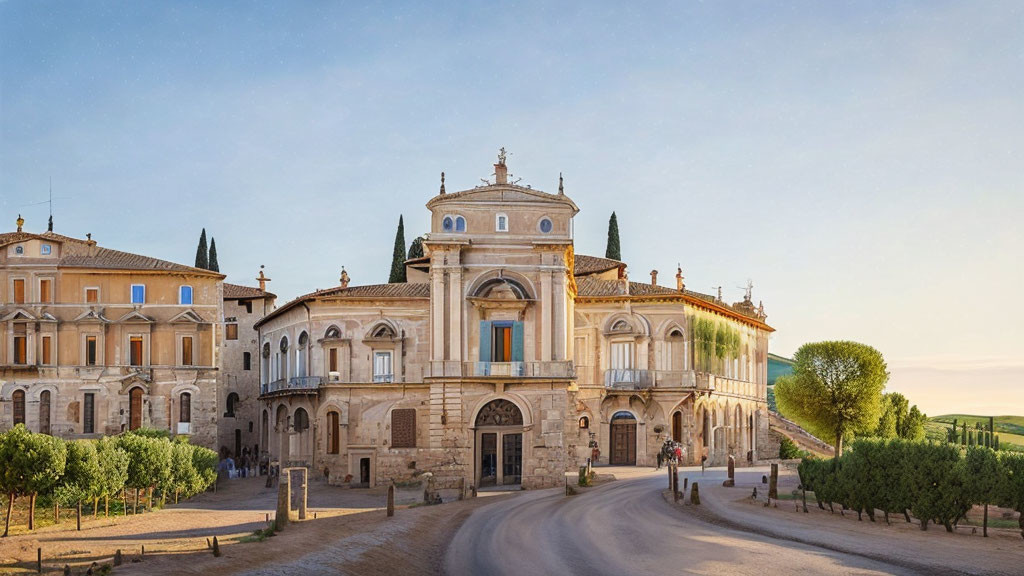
(862, 164)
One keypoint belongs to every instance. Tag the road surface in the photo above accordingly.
(626, 527)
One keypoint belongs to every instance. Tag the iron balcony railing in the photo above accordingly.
(450, 369)
(383, 378)
(296, 383)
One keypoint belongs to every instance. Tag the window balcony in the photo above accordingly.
(383, 378)
(298, 383)
(554, 369)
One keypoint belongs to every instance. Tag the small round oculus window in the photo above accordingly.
(546, 225)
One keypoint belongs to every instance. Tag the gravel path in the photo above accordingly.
(626, 527)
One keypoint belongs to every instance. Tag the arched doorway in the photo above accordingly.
(499, 440)
(623, 451)
(135, 408)
(264, 432)
(281, 429)
(677, 427)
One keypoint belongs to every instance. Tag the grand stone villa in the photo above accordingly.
(95, 341)
(506, 359)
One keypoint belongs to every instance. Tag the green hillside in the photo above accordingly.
(1009, 428)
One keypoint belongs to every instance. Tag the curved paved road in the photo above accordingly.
(626, 527)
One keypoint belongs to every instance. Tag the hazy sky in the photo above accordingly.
(862, 163)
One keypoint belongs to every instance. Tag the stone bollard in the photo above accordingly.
(731, 481)
(117, 558)
(67, 570)
(669, 468)
(773, 485)
(216, 547)
(284, 503)
(695, 494)
(675, 483)
(39, 560)
(686, 482)
(391, 501)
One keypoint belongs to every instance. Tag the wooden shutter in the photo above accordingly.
(46, 350)
(19, 406)
(89, 414)
(403, 428)
(44, 290)
(485, 341)
(517, 341)
(19, 291)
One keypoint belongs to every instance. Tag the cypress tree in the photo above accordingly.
(416, 248)
(202, 252)
(213, 264)
(613, 250)
(398, 259)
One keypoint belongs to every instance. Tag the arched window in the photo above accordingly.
(448, 224)
(301, 420)
(232, 403)
(383, 331)
(584, 422)
(460, 224)
(44, 412)
(284, 344)
(185, 405)
(621, 326)
(19, 406)
(332, 332)
(499, 413)
(300, 355)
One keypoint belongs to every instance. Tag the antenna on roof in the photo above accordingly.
(49, 201)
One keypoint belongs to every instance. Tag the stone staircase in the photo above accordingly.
(802, 438)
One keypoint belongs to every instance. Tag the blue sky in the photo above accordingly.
(860, 162)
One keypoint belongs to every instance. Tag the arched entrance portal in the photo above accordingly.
(623, 440)
(499, 441)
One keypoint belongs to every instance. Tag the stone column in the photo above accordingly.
(455, 320)
(437, 297)
(546, 333)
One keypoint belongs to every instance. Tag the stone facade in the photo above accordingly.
(506, 358)
(96, 340)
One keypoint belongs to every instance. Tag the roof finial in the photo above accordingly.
(679, 278)
(262, 280)
(501, 155)
(561, 189)
(344, 278)
(49, 226)
(442, 182)
(500, 169)
(20, 222)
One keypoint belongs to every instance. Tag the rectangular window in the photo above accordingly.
(186, 350)
(138, 293)
(231, 332)
(45, 249)
(91, 350)
(135, 350)
(46, 350)
(185, 414)
(382, 367)
(92, 295)
(332, 360)
(246, 361)
(622, 355)
(19, 290)
(20, 350)
(45, 290)
(403, 428)
(185, 295)
(88, 413)
(501, 342)
(19, 406)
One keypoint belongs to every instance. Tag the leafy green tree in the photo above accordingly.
(32, 465)
(213, 264)
(938, 484)
(113, 463)
(202, 252)
(1012, 493)
(613, 250)
(149, 462)
(416, 248)
(83, 477)
(899, 419)
(398, 258)
(986, 477)
(835, 389)
(896, 494)
(204, 461)
(184, 478)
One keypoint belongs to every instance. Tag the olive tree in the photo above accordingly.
(1012, 492)
(149, 462)
(835, 389)
(82, 479)
(33, 464)
(113, 463)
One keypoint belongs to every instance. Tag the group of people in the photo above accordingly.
(246, 465)
(671, 453)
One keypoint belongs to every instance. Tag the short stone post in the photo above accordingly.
(669, 468)
(773, 484)
(304, 488)
(391, 501)
(675, 483)
(694, 494)
(117, 558)
(216, 547)
(284, 502)
(39, 560)
(686, 482)
(732, 473)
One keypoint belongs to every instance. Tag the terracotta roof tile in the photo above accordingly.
(370, 291)
(238, 292)
(583, 264)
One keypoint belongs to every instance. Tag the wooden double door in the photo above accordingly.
(623, 452)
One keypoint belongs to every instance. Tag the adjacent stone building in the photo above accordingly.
(506, 359)
(239, 386)
(95, 341)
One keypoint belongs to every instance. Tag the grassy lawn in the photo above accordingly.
(1009, 428)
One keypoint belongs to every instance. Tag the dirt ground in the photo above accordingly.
(175, 538)
(902, 544)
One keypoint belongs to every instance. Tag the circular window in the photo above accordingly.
(284, 344)
(303, 339)
(546, 225)
(447, 224)
(19, 250)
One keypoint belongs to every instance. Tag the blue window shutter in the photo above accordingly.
(517, 342)
(485, 341)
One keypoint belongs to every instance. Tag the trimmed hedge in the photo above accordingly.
(937, 483)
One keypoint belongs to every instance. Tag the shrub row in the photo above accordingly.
(935, 482)
(72, 471)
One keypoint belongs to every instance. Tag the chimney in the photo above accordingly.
(262, 279)
(344, 278)
(679, 279)
(654, 277)
(20, 222)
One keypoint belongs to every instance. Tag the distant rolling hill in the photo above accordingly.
(1009, 428)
